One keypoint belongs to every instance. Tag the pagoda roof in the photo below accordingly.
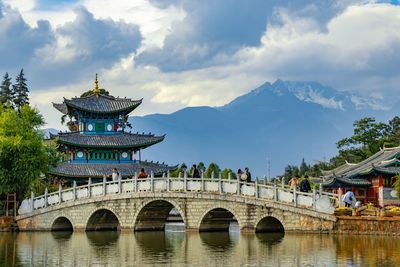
(382, 159)
(98, 170)
(121, 140)
(342, 181)
(98, 104)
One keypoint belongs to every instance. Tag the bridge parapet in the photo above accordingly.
(319, 201)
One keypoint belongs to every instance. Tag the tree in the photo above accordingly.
(226, 172)
(24, 156)
(6, 95)
(304, 168)
(20, 91)
(201, 167)
(212, 168)
(90, 92)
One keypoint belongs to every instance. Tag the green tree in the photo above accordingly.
(90, 92)
(201, 167)
(24, 156)
(226, 172)
(212, 168)
(304, 168)
(20, 91)
(6, 94)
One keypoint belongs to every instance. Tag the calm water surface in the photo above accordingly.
(195, 249)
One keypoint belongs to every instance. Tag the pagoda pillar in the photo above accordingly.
(140, 155)
(87, 155)
(130, 155)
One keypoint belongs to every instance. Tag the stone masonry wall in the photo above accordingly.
(192, 207)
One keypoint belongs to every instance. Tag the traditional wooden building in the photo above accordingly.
(100, 142)
(371, 180)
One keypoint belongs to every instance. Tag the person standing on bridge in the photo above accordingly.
(294, 182)
(305, 185)
(142, 173)
(115, 175)
(248, 174)
(195, 172)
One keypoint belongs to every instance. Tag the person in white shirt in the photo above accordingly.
(349, 198)
(115, 174)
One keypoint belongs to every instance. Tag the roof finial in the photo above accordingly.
(96, 89)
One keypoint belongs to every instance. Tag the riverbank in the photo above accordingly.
(367, 225)
(7, 224)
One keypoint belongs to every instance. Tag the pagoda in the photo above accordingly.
(99, 141)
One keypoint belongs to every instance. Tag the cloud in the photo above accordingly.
(19, 41)
(213, 31)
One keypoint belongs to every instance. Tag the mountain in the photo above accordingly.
(280, 122)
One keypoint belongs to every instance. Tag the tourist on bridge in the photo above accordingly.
(305, 185)
(195, 172)
(349, 198)
(142, 173)
(294, 182)
(239, 174)
(115, 175)
(248, 174)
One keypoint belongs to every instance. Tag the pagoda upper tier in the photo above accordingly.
(97, 104)
(123, 140)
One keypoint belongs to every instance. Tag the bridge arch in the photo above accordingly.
(62, 223)
(152, 214)
(269, 224)
(218, 218)
(102, 219)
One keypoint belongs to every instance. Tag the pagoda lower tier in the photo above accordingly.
(96, 170)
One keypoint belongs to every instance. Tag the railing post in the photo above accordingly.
(203, 186)
(212, 175)
(152, 181)
(314, 198)
(89, 187)
(295, 196)
(340, 197)
(104, 185)
(275, 192)
(119, 184)
(256, 187)
(320, 190)
(135, 182)
(74, 189)
(238, 185)
(220, 183)
(185, 181)
(46, 195)
(229, 176)
(59, 193)
(168, 182)
(283, 182)
(32, 201)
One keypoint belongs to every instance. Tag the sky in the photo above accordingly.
(179, 53)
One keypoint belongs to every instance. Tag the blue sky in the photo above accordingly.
(178, 53)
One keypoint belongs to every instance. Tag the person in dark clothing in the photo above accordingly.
(248, 174)
(305, 185)
(195, 172)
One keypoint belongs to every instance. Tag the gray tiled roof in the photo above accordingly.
(381, 159)
(96, 170)
(61, 107)
(346, 181)
(99, 104)
(121, 140)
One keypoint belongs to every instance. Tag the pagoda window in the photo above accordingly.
(99, 127)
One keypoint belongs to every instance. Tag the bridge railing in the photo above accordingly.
(316, 200)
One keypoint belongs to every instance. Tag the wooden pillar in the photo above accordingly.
(140, 155)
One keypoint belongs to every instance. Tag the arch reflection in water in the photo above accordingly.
(103, 220)
(269, 225)
(155, 215)
(62, 224)
(218, 241)
(217, 220)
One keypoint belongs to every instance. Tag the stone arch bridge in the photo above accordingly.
(203, 205)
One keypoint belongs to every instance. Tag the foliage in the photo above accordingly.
(225, 174)
(20, 91)
(6, 94)
(212, 168)
(23, 154)
(181, 169)
(201, 167)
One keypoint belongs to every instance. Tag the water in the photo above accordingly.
(174, 248)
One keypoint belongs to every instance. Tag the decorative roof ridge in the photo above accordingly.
(351, 164)
(391, 148)
(390, 161)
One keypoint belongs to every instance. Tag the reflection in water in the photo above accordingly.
(194, 249)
